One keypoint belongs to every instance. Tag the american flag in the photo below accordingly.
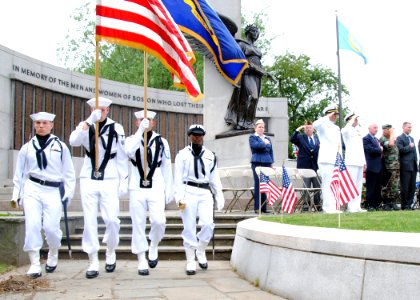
(147, 25)
(270, 188)
(288, 194)
(342, 186)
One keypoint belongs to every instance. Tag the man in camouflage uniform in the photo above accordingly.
(391, 177)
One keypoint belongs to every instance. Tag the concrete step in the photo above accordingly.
(124, 252)
(171, 228)
(170, 248)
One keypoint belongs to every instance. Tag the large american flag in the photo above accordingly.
(342, 186)
(147, 25)
(288, 194)
(270, 188)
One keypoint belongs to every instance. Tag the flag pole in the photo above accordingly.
(340, 105)
(338, 206)
(145, 116)
(96, 173)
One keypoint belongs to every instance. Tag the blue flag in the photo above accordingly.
(347, 41)
(199, 20)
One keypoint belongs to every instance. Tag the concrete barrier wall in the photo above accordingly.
(299, 262)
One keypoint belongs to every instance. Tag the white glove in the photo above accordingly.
(144, 124)
(220, 204)
(94, 117)
(66, 198)
(123, 188)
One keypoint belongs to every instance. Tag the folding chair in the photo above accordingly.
(238, 187)
(311, 192)
(249, 179)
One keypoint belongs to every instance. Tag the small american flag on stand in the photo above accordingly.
(288, 194)
(342, 186)
(270, 188)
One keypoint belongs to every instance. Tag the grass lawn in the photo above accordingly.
(397, 221)
(4, 268)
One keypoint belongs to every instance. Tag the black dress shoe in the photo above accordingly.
(143, 272)
(153, 263)
(49, 269)
(34, 275)
(92, 274)
(109, 268)
(190, 272)
(203, 266)
(387, 208)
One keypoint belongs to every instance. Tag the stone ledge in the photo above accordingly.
(299, 262)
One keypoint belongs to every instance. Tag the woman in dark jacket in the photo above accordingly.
(262, 156)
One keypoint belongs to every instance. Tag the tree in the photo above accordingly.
(308, 88)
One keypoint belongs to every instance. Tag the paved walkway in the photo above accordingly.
(167, 281)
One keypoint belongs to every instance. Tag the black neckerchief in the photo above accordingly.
(41, 158)
(106, 145)
(197, 152)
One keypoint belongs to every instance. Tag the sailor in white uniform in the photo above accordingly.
(330, 142)
(195, 173)
(150, 192)
(354, 157)
(104, 186)
(44, 177)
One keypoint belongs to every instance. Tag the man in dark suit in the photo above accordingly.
(308, 144)
(374, 166)
(408, 167)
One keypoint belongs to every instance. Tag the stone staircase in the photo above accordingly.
(170, 248)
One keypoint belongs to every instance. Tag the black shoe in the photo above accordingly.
(92, 274)
(109, 268)
(34, 275)
(387, 207)
(49, 269)
(203, 266)
(143, 272)
(190, 272)
(371, 208)
(153, 263)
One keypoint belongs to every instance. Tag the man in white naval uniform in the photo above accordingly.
(104, 186)
(152, 193)
(354, 158)
(44, 177)
(330, 142)
(195, 173)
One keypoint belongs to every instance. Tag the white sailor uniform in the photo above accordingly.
(194, 175)
(103, 190)
(44, 177)
(355, 161)
(154, 197)
(330, 142)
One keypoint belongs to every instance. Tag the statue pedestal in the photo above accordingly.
(232, 146)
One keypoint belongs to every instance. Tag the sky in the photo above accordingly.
(382, 91)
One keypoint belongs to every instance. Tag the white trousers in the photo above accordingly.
(42, 206)
(199, 202)
(102, 193)
(356, 174)
(328, 201)
(141, 200)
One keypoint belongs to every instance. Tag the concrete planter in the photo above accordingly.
(12, 233)
(299, 262)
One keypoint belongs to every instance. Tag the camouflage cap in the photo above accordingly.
(386, 126)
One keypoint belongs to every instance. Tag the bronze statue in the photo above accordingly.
(243, 103)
